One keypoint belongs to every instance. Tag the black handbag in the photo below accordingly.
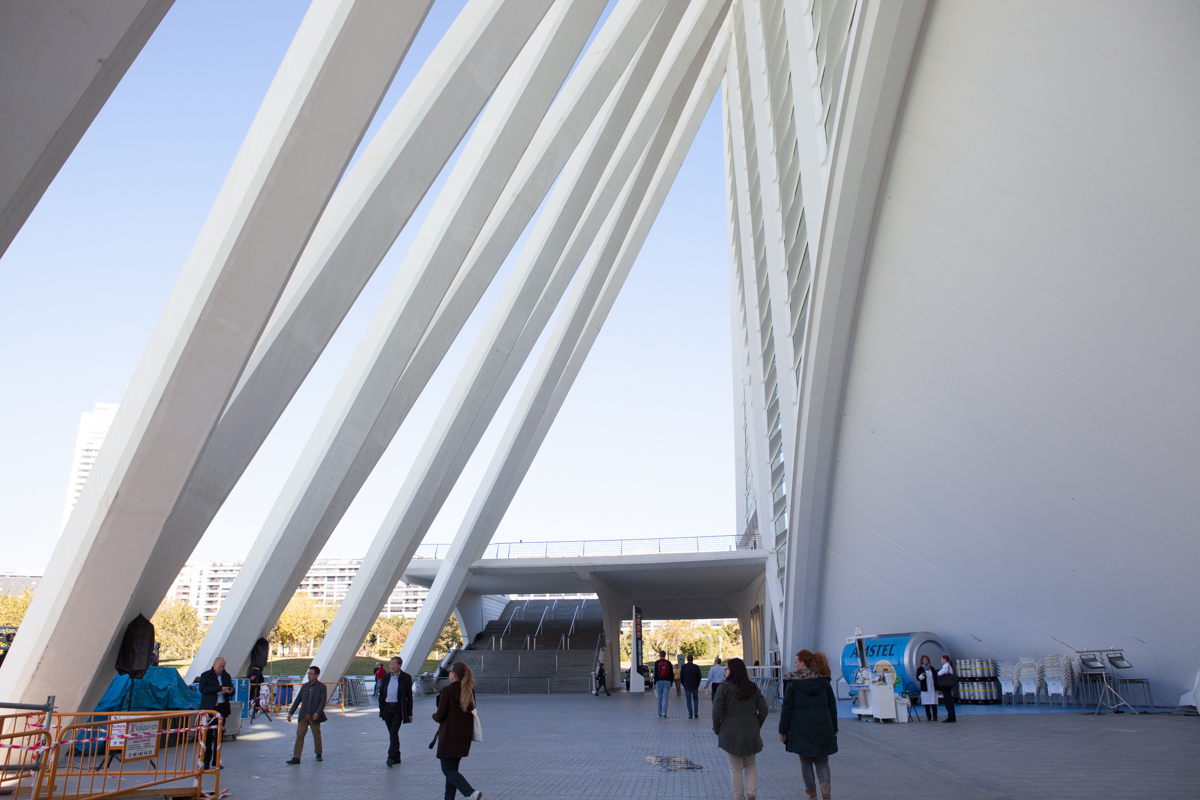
(947, 681)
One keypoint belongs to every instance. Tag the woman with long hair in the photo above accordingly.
(808, 722)
(927, 678)
(455, 712)
(739, 711)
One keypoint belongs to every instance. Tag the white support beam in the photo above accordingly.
(759, 103)
(808, 126)
(323, 97)
(384, 379)
(742, 224)
(587, 307)
(538, 282)
(366, 213)
(59, 63)
(885, 35)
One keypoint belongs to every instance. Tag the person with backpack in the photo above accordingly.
(664, 676)
(808, 721)
(738, 715)
(456, 730)
(689, 676)
(602, 681)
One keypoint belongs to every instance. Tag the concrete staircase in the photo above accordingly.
(539, 646)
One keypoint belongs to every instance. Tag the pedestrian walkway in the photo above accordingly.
(582, 747)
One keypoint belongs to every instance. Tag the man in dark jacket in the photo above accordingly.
(215, 689)
(689, 676)
(395, 705)
(311, 701)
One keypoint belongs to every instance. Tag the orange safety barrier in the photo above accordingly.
(128, 754)
(23, 758)
(281, 695)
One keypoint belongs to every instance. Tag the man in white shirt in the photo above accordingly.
(395, 705)
(716, 674)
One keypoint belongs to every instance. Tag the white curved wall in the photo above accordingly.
(1019, 461)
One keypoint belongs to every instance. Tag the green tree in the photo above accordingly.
(449, 638)
(177, 628)
(732, 633)
(13, 607)
(388, 635)
(302, 625)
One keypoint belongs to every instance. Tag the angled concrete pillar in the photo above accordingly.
(587, 307)
(331, 81)
(614, 607)
(59, 62)
(356, 426)
(884, 37)
(470, 619)
(598, 169)
(364, 216)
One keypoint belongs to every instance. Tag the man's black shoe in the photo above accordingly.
(293, 761)
(390, 762)
(319, 757)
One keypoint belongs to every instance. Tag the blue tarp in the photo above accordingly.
(161, 689)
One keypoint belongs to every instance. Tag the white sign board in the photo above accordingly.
(138, 738)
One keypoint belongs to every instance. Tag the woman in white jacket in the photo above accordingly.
(927, 677)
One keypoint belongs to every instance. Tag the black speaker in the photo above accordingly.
(260, 653)
(137, 648)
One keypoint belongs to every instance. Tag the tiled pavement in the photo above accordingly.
(579, 746)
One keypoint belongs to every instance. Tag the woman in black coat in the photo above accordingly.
(808, 722)
(455, 705)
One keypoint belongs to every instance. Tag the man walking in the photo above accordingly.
(689, 676)
(664, 676)
(215, 688)
(311, 701)
(395, 705)
(716, 674)
(379, 673)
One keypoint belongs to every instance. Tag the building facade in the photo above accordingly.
(93, 427)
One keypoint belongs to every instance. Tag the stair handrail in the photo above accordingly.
(561, 639)
(596, 655)
(511, 617)
(540, 621)
(573, 616)
(553, 607)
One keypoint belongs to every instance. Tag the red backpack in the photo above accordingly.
(663, 671)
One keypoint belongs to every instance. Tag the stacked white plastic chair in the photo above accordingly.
(1029, 672)
(1010, 683)
(1056, 672)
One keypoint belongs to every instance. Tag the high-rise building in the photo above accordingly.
(93, 427)
(204, 585)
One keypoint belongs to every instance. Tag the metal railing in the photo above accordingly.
(541, 622)
(574, 617)
(605, 547)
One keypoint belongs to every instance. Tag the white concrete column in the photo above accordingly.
(470, 618)
(338, 67)
(614, 607)
(885, 35)
(587, 307)
(346, 443)
(598, 169)
(59, 62)
(366, 213)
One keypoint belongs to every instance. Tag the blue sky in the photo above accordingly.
(642, 447)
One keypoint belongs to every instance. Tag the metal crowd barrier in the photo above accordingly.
(282, 695)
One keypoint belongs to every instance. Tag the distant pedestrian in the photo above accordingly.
(602, 681)
(808, 722)
(310, 699)
(395, 705)
(216, 687)
(664, 675)
(678, 666)
(927, 678)
(379, 673)
(689, 676)
(947, 681)
(455, 712)
(255, 698)
(738, 714)
(716, 674)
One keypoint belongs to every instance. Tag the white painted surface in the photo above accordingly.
(1019, 461)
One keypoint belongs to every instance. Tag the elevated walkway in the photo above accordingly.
(539, 646)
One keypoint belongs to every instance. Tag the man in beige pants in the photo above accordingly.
(311, 701)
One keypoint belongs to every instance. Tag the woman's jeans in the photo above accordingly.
(739, 765)
(693, 701)
(806, 771)
(663, 690)
(454, 778)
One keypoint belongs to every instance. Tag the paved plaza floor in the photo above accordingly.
(579, 746)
